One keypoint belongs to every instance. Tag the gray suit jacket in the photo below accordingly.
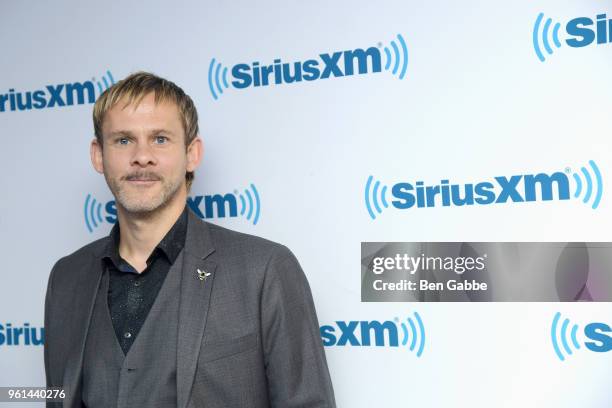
(248, 335)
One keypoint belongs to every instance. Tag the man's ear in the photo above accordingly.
(195, 150)
(95, 150)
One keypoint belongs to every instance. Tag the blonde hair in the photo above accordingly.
(134, 88)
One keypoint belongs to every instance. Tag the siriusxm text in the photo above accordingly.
(22, 335)
(601, 336)
(502, 189)
(583, 34)
(76, 93)
(361, 333)
(337, 64)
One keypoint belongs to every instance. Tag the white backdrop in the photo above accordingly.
(476, 102)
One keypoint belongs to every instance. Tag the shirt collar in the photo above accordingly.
(170, 245)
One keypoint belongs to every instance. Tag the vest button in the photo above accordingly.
(127, 335)
(137, 283)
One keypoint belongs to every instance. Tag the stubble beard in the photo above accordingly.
(139, 203)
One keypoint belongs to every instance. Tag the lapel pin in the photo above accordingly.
(203, 274)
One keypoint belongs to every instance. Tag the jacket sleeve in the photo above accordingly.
(47, 346)
(296, 367)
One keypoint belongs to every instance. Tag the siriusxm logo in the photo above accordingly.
(375, 333)
(244, 204)
(498, 190)
(565, 339)
(75, 93)
(329, 65)
(21, 336)
(581, 31)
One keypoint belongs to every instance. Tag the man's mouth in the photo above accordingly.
(141, 181)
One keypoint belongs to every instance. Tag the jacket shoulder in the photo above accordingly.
(227, 240)
(227, 237)
(81, 255)
(256, 259)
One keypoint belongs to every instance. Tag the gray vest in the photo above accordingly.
(146, 376)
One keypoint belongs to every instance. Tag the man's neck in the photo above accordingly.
(139, 235)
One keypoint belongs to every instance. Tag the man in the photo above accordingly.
(169, 310)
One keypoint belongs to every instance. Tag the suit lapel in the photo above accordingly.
(83, 308)
(195, 296)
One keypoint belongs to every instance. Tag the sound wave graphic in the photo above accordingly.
(416, 334)
(106, 83)
(93, 213)
(374, 194)
(217, 78)
(251, 205)
(561, 336)
(591, 188)
(545, 34)
(398, 59)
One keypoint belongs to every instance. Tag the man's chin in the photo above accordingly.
(143, 203)
(141, 206)
(141, 209)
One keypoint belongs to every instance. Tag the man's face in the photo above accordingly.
(143, 158)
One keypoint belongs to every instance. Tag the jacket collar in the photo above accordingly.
(199, 241)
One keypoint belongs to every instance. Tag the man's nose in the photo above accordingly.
(143, 154)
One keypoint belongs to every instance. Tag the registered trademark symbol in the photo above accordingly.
(568, 170)
(379, 44)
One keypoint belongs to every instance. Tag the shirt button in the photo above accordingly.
(127, 335)
(137, 283)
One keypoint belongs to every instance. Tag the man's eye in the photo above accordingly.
(161, 139)
(122, 141)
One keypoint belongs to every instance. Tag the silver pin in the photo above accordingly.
(203, 275)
